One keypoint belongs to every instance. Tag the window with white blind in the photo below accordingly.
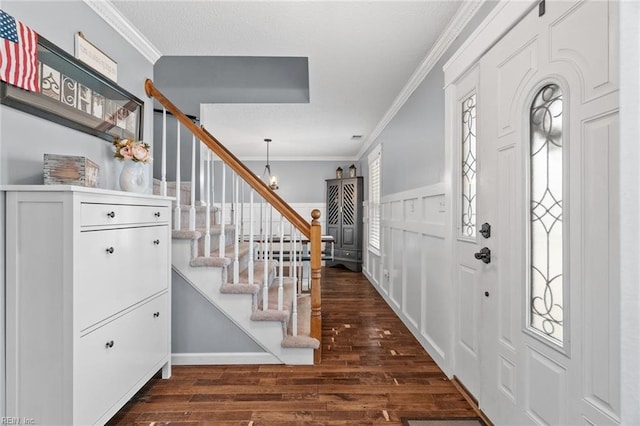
(374, 198)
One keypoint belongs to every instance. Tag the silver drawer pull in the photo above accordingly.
(110, 250)
(109, 344)
(156, 314)
(156, 242)
(111, 214)
(157, 214)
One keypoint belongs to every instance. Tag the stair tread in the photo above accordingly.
(202, 261)
(199, 208)
(213, 230)
(287, 296)
(184, 234)
(240, 288)
(258, 273)
(303, 338)
(243, 248)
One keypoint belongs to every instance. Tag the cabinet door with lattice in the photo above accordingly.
(344, 221)
(333, 210)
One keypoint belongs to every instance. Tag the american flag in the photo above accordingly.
(18, 53)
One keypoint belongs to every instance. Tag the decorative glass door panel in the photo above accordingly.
(546, 287)
(468, 203)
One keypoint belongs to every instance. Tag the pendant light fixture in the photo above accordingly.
(269, 179)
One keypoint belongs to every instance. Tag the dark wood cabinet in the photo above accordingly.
(344, 221)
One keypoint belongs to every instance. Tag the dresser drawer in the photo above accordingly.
(96, 214)
(117, 268)
(111, 359)
(348, 254)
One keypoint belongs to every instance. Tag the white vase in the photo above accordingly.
(133, 177)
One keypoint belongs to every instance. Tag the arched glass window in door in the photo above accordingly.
(546, 306)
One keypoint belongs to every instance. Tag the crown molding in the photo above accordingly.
(463, 15)
(112, 16)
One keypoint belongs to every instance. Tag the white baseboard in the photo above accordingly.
(224, 358)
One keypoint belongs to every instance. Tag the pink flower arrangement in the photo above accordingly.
(128, 149)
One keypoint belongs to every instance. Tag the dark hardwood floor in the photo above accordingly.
(373, 371)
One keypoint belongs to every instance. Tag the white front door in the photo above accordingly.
(547, 181)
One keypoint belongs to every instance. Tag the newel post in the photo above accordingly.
(316, 299)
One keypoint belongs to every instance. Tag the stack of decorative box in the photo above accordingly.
(70, 170)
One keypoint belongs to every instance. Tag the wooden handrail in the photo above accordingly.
(232, 161)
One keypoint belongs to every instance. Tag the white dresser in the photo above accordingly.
(88, 308)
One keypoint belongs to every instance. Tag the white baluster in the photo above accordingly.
(192, 208)
(281, 266)
(271, 231)
(265, 260)
(294, 308)
(232, 210)
(242, 185)
(178, 213)
(250, 265)
(207, 208)
(236, 240)
(202, 172)
(163, 161)
(212, 191)
(291, 231)
(223, 218)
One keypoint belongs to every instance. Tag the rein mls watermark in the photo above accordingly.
(17, 421)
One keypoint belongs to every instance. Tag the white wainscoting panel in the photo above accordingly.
(371, 263)
(436, 328)
(386, 259)
(412, 270)
(396, 281)
(412, 286)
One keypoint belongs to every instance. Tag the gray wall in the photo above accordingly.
(302, 181)
(413, 141)
(24, 137)
(198, 328)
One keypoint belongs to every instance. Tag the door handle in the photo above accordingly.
(484, 254)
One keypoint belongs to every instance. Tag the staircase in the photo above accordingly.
(237, 263)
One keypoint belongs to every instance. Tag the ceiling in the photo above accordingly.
(361, 56)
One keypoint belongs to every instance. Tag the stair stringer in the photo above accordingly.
(237, 307)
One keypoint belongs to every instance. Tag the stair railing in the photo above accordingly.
(271, 200)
